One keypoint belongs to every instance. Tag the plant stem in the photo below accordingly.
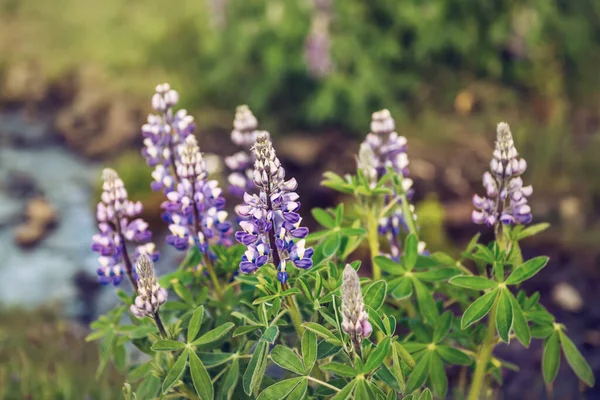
(160, 326)
(213, 276)
(294, 312)
(484, 356)
(327, 385)
(373, 239)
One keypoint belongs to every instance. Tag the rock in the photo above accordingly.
(28, 234)
(10, 210)
(17, 130)
(567, 297)
(24, 83)
(40, 212)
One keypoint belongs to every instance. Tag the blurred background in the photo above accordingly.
(76, 77)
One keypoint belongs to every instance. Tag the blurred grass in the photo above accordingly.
(44, 357)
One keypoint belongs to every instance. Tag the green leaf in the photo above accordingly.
(375, 295)
(299, 392)
(340, 369)
(397, 367)
(332, 244)
(279, 390)
(418, 376)
(452, 355)
(478, 309)
(426, 302)
(271, 334)
(378, 355)
(211, 360)
(411, 251)
(309, 350)
(442, 327)
(326, 349)
(426, 395)
(167, 345)
(184, 293)
(214, 335)
(403, 290)
(195, 323)
(576, 361)
(230, 381)
(437, 274)
(287, 359)
(242, 330)
(362, 391)
(404, 355)
(520, 325)
(175, 372)
(384, 374)
(106, 350)
(473, 282)
(323, 332)
(504, 316)
(438, 377)
(256, 368)
(388, 265)
(345, 393)
(526, 270)
(200, 378)
(323, 218)
(533, 230)
(149, 388)
(551, 358)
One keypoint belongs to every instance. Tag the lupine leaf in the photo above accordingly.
(323, 218)
(426, 395)
(279, 390)
(332, 244)
(200, 378)
(426, 302)
(175, 371)
(526, 270)
(346, 391)
(453, 356)
(418, 376)
(437, 274)
(256, 368)
(411, 251)
(243, 330)
(339, 369)
(271, 334)
(404, 289)
(532, 230)
(442, 327)
(362, 391)
(397, 368)
(309, 350)
(438, 377)
(214, 335)
(184, 293)
(576, 361)
(230, 381)
(211, 360)
(388, 265)
(378, 355)
(473, 282)
(504, 316)
(375, 295)
(404, 355)
(287, 359)
(384, 374)
(167, 345)
(478, 309)
(195, 323)
(551, 358)
(323, 332)
(299, 392)
(520, 325)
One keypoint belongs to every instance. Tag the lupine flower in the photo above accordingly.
(241, 163)
(163, 132)
(355, 320)
(118, 224)
(384, 148)
(317, 47)
(196, 206)
(506, 197)
(271, 226)
(150, 295)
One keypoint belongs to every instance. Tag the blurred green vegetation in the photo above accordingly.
(445, 68)
(45, 357)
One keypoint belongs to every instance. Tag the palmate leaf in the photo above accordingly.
(375, 294)
(425, 301)
(309, 350)
(478, 309)
(230, 382)
(195, 323)
(504, 316)
(200, 378)
(419, 374)
(388, 265)
(287, 359)
(551, 358)
(256, 368)
(438, 377)
(378, 355)
(175, 372)
(520, 325)
(576, 361)
(473, 282)
(280, 390)
(214, 335)
(526, 270)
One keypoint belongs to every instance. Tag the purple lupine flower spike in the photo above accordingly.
(506, 197)
(241, 163)
(196, 205)
(119, 223)
(271, 226)
(381, 149)
(163, 133)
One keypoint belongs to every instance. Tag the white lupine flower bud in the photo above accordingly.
(355, 321)
(150, 295)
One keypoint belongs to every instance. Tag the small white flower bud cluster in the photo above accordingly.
(192, 164)
(164, 98)
(355, 321)
(268, 172)
(150, 295)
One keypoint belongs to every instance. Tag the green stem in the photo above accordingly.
(484, 356)
(373, 239)
(294, 312)
(213, 277)
(408, 216)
